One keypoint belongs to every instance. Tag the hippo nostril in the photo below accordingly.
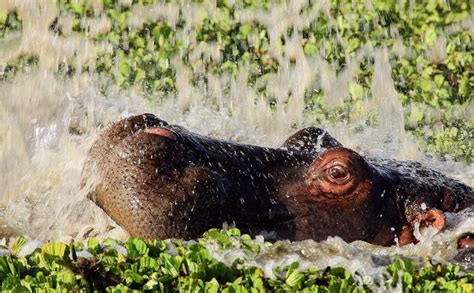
(466, 240)
(433, 218)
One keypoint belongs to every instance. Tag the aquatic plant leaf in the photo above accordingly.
(221, 237)
(18, 245)
(56, 249)
(136, 248)
(93, 245)
(11, 266)
(295, 279)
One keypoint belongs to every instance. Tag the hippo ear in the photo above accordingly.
(126, 127)
(142, 121)
(339, 171)
(310, 140)
(163, 132)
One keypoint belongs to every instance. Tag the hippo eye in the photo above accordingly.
(338, 174)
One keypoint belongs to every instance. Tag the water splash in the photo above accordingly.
(47, 124)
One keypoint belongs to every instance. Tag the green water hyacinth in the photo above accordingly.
(174, 265)
(444, 82)
(434, 72)
(23, 63)
(10, 21)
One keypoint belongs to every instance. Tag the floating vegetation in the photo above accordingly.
(23, 63)
(172, 265)
(10, 21)
(429, 45)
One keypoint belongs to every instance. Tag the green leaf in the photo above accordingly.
(18, 245)
(3, 17)
(425, 85)
(133, 277)
(93, 245)
(295, 279)
(136, 247)
(56, 249)
(222, 238)
(439, 80)
(212, 286)
(354, 44)
(407, 279)
(245, 30)
(356, 90)
(66, 277)
(430, 36)
(124, 68)
(310, 48)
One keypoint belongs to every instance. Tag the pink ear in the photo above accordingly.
(161, 132)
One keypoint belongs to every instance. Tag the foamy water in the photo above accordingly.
(41, 161)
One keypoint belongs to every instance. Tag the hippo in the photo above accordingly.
(158, 180)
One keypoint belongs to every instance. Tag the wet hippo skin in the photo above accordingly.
(158, 181)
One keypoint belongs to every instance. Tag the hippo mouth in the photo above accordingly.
(275, 219)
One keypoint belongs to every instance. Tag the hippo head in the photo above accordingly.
(160, 180)
(339, 192)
